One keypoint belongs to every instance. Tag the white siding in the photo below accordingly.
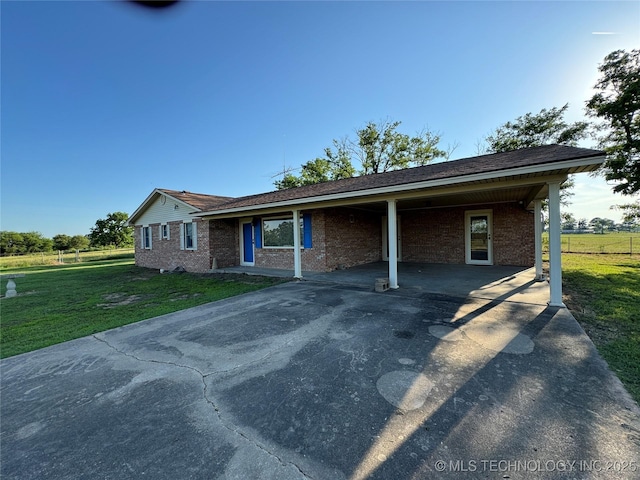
(159, 213)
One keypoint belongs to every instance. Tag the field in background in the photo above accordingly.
(611, 242)
(53, 258)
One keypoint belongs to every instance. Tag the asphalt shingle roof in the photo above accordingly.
(467, 166)
(201, 201)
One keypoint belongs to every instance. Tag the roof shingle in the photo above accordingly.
(474, 165)
(200, 201)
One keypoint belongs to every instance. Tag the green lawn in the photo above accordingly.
(63, 302)
(610, 242)
(603, 293)
(11, 262)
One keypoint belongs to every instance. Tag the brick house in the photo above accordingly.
(480, 210)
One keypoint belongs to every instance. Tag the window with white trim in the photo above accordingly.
(188, 236)
(164, 231)
(145, 236)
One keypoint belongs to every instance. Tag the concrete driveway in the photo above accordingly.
(311, 380)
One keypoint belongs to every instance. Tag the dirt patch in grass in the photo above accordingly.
(120, 299)
(183, 296)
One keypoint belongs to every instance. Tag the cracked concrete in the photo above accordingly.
(318, 381)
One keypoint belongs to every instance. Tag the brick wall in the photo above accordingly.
(343, 237)
(224, 242)
(513, 235)
(433, 236)
(354, 237)
(167, 254)
(437, 235)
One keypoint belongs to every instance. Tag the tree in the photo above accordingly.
(29, 242)
(568, 221)
(544, 128)
(10, 242)
(630, 212)
(112, 230)
(582, 224)
(61, 242)
(335, 165)
(602, 224)
(617, 103)
(379, 147)
(35, 242)
(79, 242)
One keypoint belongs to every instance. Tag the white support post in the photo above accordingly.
(555, 258)
(537, 214)
(392, 230)
(297, 257)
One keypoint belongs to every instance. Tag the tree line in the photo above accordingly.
(111, 231)
(597, 224)
(381, 147)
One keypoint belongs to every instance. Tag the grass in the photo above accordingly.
(603, 293)
(610, 242)
(51, 258)
(63, 302)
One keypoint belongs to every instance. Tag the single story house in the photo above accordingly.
(482, 210)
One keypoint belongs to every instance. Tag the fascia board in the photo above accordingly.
(397, 189)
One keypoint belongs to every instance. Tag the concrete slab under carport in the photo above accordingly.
(514, 283)
(324, 381)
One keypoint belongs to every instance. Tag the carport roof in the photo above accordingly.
(556, 159)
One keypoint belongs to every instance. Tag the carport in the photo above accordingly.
(503, 283)
(472, 189)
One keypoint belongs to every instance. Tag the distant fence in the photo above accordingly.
(61, 257)
(597, 243)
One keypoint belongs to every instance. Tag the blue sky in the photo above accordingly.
(104, 101)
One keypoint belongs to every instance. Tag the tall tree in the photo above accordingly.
(617, 103)
(379, 147)
(35, 242)
(61, 242)
(79, 242)
(112, 230)
(11, 242)
(534, 130)
(335, 165)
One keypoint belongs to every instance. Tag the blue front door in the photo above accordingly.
(247, 243)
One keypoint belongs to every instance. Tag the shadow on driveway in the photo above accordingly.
(324, 381)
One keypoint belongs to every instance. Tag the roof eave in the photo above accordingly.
(591, 161)
(147, 201)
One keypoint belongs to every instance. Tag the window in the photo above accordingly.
(278, 232)
(188, 236)
(146, 237)
(164, 232)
